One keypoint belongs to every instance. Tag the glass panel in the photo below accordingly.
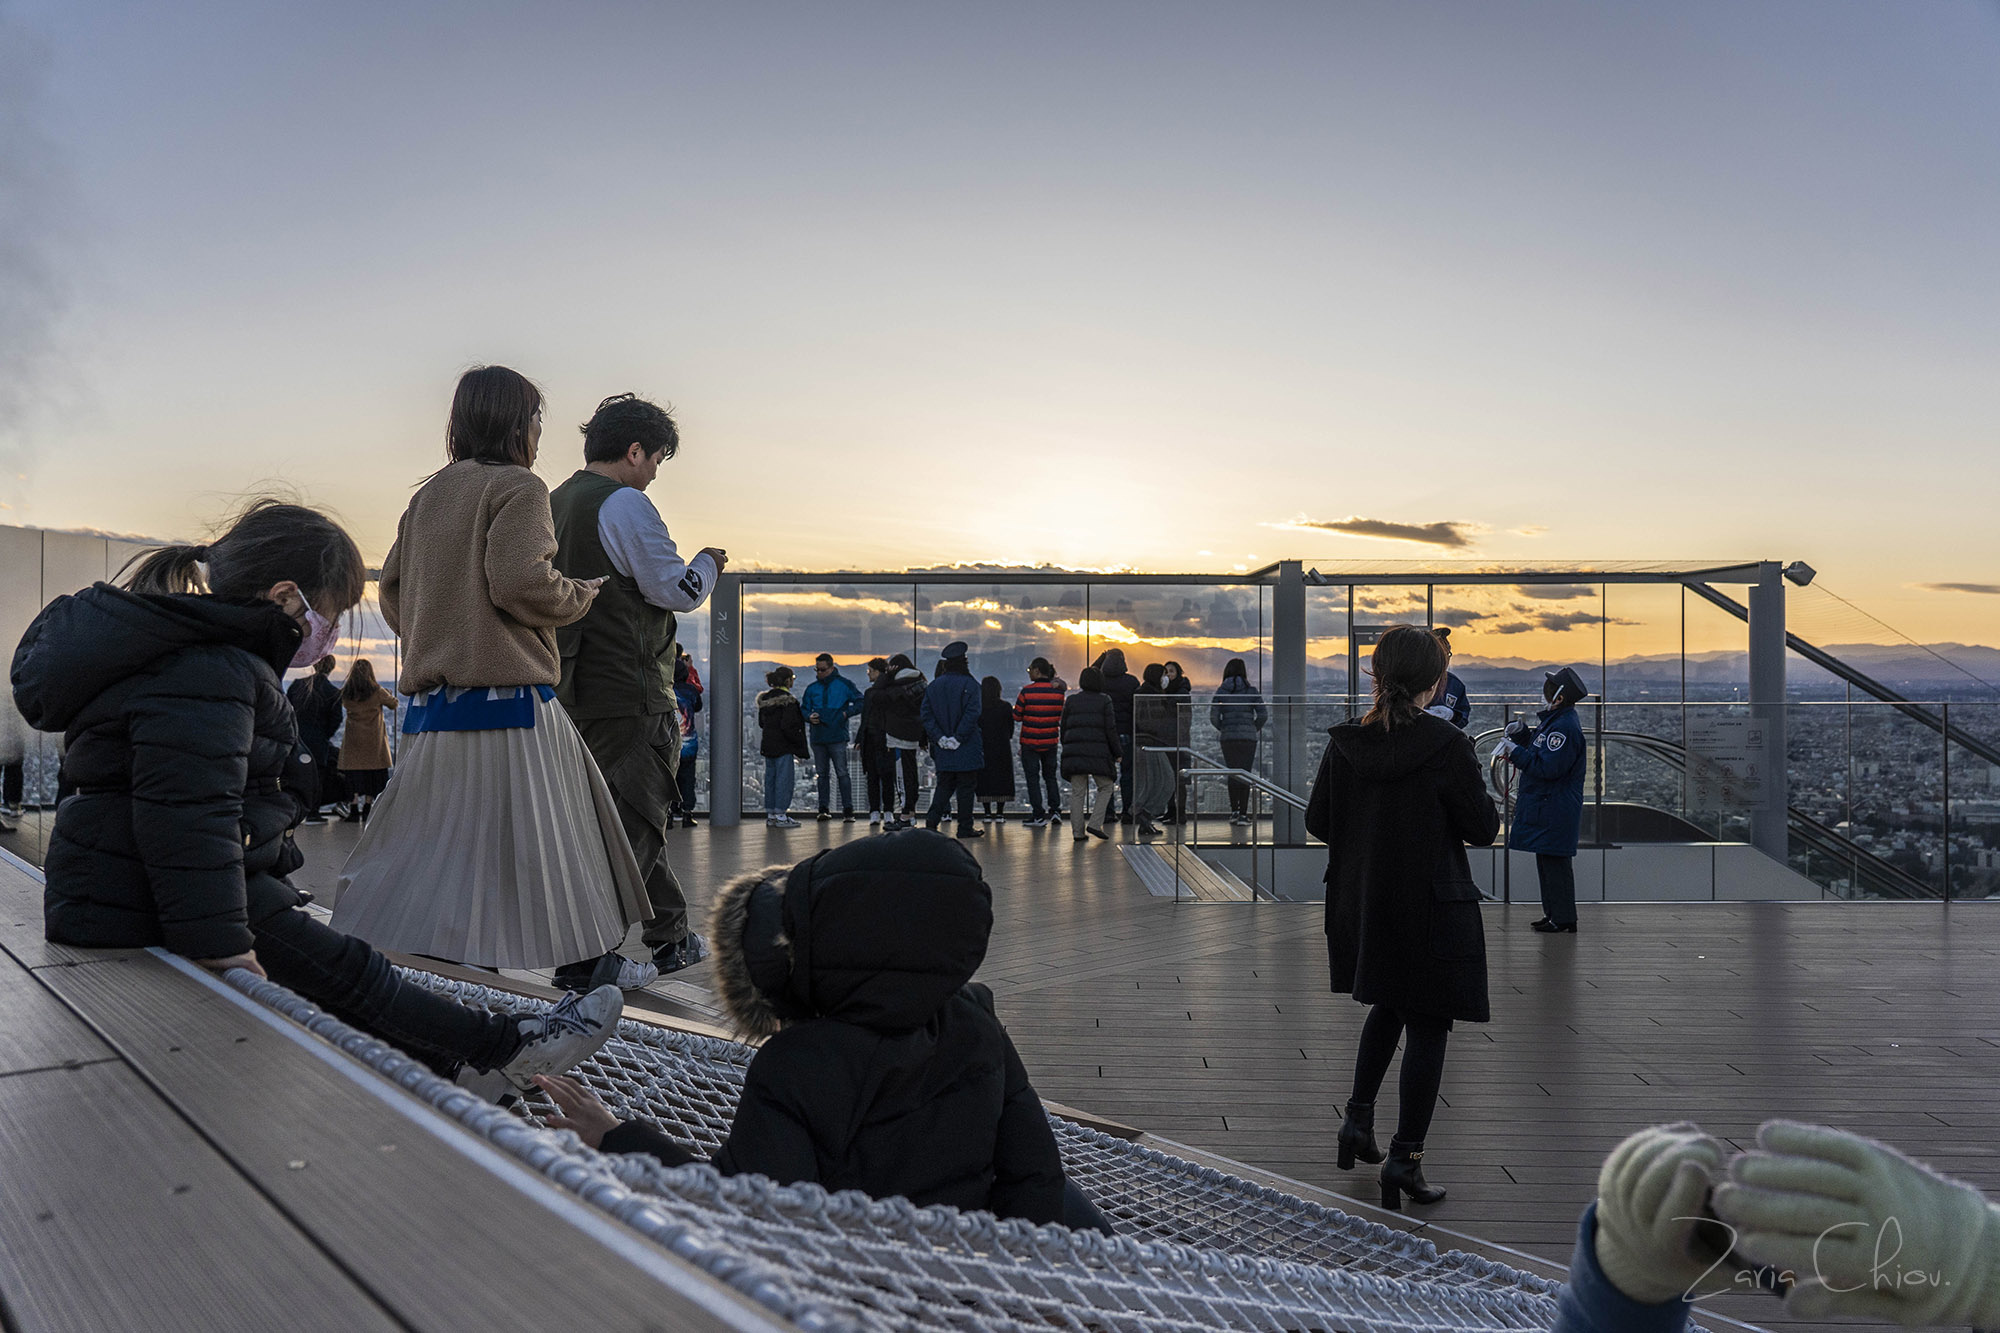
(789, 624)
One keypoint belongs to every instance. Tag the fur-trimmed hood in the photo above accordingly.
(880, 932)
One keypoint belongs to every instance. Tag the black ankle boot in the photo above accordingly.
(1357, 1136)
(1404, 1174)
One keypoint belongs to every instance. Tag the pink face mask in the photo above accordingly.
(321, 634)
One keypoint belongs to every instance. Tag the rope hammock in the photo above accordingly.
(1196, 1249)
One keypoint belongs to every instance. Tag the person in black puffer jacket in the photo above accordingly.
(1090, 749)
(884, 1068)
(903, 726)
(1120, 685)
(187, 766)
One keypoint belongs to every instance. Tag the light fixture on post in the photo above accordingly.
(1799, 573)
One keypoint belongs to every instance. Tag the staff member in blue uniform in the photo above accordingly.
(1453, 704)
(1548, 813)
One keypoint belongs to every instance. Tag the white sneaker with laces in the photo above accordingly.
(566, 1035)
(635, 976)
(874, 816)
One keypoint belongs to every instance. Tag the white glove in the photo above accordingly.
(1440, 710)
(1505, 748)
(947, 742)
(1652, 1240)
(1870, 1233)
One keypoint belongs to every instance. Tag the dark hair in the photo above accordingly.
(777, 676)
(900, 660)
(824, 657)
(989, 690)
(1043, 668)
(623, 420)
(954, 666)
(324, 667)
(361, 683)
(1408, 662)
(1090, 680)
(271, 542)
(491, 414)
(681, 664)
(879, 664)
(1444, 637)
(1154, 675)
(1234, 667)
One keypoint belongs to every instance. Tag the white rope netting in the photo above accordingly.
(1196, 1249)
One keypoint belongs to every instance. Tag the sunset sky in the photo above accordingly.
(1151, 286)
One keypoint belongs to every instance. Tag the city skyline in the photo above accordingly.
(1142, 288)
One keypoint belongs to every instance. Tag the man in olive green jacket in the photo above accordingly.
(618, 661)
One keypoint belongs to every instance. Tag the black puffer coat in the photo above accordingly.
(889, 1074)
(185, 759)
(902, 703)
(1090, 735)
(1120, 685)
(1395, 809)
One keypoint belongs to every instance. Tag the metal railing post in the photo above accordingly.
(1944, 739)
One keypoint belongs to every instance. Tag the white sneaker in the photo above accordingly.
(635, 976)
(566, 1035)
(785, 821)
(874, 816)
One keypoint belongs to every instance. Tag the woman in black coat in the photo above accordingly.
(1398, 796)
(996, 737)
(1090, 749)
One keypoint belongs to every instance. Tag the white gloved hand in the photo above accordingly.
(1652, 1239)
(1868, 1232)
(1440, 710)
(947, 742)
(1505, 748)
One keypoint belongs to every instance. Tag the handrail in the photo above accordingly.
(1210, 768)
(1884, 874)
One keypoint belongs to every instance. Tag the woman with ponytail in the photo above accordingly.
(188, 774)
(1398, 797)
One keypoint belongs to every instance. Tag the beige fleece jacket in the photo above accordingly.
(470, 585)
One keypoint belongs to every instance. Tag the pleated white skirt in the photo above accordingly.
(498, 848)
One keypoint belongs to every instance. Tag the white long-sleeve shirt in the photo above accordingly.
(635, 537)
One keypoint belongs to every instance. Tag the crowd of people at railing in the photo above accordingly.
(542, 759)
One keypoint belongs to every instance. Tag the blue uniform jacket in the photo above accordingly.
(1548, 809)
(951, 708)
(1457, 700)
(1590, 1304)
(835, 700)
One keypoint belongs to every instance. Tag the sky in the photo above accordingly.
(1145, 286)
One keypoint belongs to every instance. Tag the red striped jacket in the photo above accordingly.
(1038, 708)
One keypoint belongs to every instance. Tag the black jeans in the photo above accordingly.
(1039, 766)
(684, 780)
(966, 785)
(355, 984)
(1423, 1067)
(12, 784)
(1239, 753)
(908, 759)
(1558, 877)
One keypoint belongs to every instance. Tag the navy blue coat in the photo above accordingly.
(1457, 700)
(951, 708)
(1548, 809)
(835, 700)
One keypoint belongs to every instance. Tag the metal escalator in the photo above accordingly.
(1868, 874)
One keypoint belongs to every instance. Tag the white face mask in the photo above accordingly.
(321, 634)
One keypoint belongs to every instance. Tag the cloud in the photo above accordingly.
(32, 194)
(1555, 592)
(1452, 533)
(1556, 622)
(1530, 530)
(1988, 589)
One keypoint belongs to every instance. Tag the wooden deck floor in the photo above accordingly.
(1211, 1024)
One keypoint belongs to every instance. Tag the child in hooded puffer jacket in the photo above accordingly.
(884, 1068)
